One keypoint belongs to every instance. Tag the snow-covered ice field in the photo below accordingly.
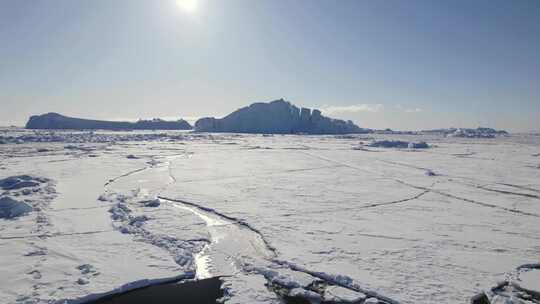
(276, 216)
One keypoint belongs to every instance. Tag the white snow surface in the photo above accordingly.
(284, 209)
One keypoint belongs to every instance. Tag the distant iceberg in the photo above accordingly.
(468, 133)
(10, 208)
(57, 121)
(479, 132)
(277, 117)
(399, 144)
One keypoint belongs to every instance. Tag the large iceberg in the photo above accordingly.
(277, 117)
(57, 121)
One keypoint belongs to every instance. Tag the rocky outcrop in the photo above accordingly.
(57, 121)
(276, 117)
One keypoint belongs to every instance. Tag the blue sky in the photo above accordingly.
(398, 64)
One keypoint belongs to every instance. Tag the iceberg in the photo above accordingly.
(277, 117)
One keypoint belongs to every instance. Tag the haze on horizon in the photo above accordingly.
(403, 65)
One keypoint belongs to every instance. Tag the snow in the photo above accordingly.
(434, 225)
(530, 280)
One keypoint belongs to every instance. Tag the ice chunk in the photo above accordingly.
(20, 181)
(430, 173)
(138, 221)
(86, 268)
(529, 281)
(151, 203)
(480, 299)
(285, 281)
(10, 208)
(309, 295)
(120, 212)
(502, 300)
(398, 144)
(418, 145)
(337, 294)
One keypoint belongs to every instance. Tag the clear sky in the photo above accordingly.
(400, 64)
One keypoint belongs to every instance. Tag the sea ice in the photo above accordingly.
(309, 210)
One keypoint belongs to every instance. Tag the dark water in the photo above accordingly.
(205, 291)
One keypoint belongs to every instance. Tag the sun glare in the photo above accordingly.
(188, 6)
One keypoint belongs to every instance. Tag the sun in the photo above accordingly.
(188, 6)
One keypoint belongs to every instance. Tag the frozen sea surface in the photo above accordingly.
(325, 218)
